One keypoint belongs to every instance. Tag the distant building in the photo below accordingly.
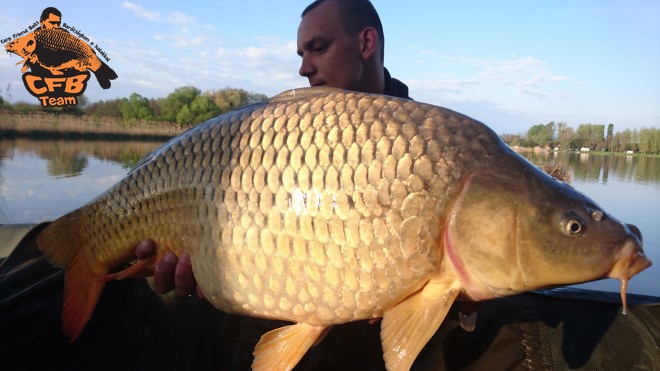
(584, 149)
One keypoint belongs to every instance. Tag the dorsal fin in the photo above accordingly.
(302, 93)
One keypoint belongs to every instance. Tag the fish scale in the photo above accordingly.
(324, 206)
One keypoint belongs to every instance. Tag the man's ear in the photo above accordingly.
(369, 42)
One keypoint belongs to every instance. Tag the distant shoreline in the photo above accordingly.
(39, 126)
(526, 150)
(38, 135)
(44, 126)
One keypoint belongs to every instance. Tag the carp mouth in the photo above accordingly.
(26, 56)
(630, 261)
(10, 52)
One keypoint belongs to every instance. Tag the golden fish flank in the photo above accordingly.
(323, 206)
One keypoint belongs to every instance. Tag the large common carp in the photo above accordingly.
(325, 206)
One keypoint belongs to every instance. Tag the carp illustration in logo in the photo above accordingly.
(59, 62)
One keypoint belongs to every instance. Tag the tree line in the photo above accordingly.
(591, 136)
(186, 106)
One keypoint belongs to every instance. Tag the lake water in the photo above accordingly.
(41, 180)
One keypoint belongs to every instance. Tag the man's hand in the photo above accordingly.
(170, 272)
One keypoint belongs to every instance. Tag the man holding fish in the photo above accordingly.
(474, 266)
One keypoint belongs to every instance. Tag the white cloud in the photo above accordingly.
(502, 83)
(252, 52)
(259, 65)
(180, 19)
(504, 92)
(140, 12)
(467, 78)
(176, 18)
(180, 41)
(527, 75)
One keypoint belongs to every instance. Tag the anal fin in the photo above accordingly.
(282, 348)
(408, 326)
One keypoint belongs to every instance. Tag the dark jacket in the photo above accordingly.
(394, 87)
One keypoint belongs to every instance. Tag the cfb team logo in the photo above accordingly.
(59, 62)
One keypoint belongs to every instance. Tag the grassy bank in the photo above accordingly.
(49, 126)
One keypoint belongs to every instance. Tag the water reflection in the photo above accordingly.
(69, 158)
(41, 180)
(59, 166)
(595, 168)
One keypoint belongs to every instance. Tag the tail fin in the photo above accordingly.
(61, 244)
(104, 74)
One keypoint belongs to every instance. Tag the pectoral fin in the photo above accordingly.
(142, 268)
(408, 326)
(282, 348)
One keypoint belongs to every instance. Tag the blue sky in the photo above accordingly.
(509, 64)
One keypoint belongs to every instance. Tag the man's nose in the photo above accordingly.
(306, 67)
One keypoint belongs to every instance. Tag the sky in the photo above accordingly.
(509, 64)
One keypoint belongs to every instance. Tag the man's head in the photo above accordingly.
(50, 18)
(341, 45)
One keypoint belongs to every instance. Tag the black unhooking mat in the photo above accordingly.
(132, 329)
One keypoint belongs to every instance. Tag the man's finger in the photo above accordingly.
(164, 274)
(145, 249)
(184, 280)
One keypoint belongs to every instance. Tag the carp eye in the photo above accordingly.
(572, 224)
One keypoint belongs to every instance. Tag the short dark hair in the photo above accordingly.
(355, 16)
(48, 11)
